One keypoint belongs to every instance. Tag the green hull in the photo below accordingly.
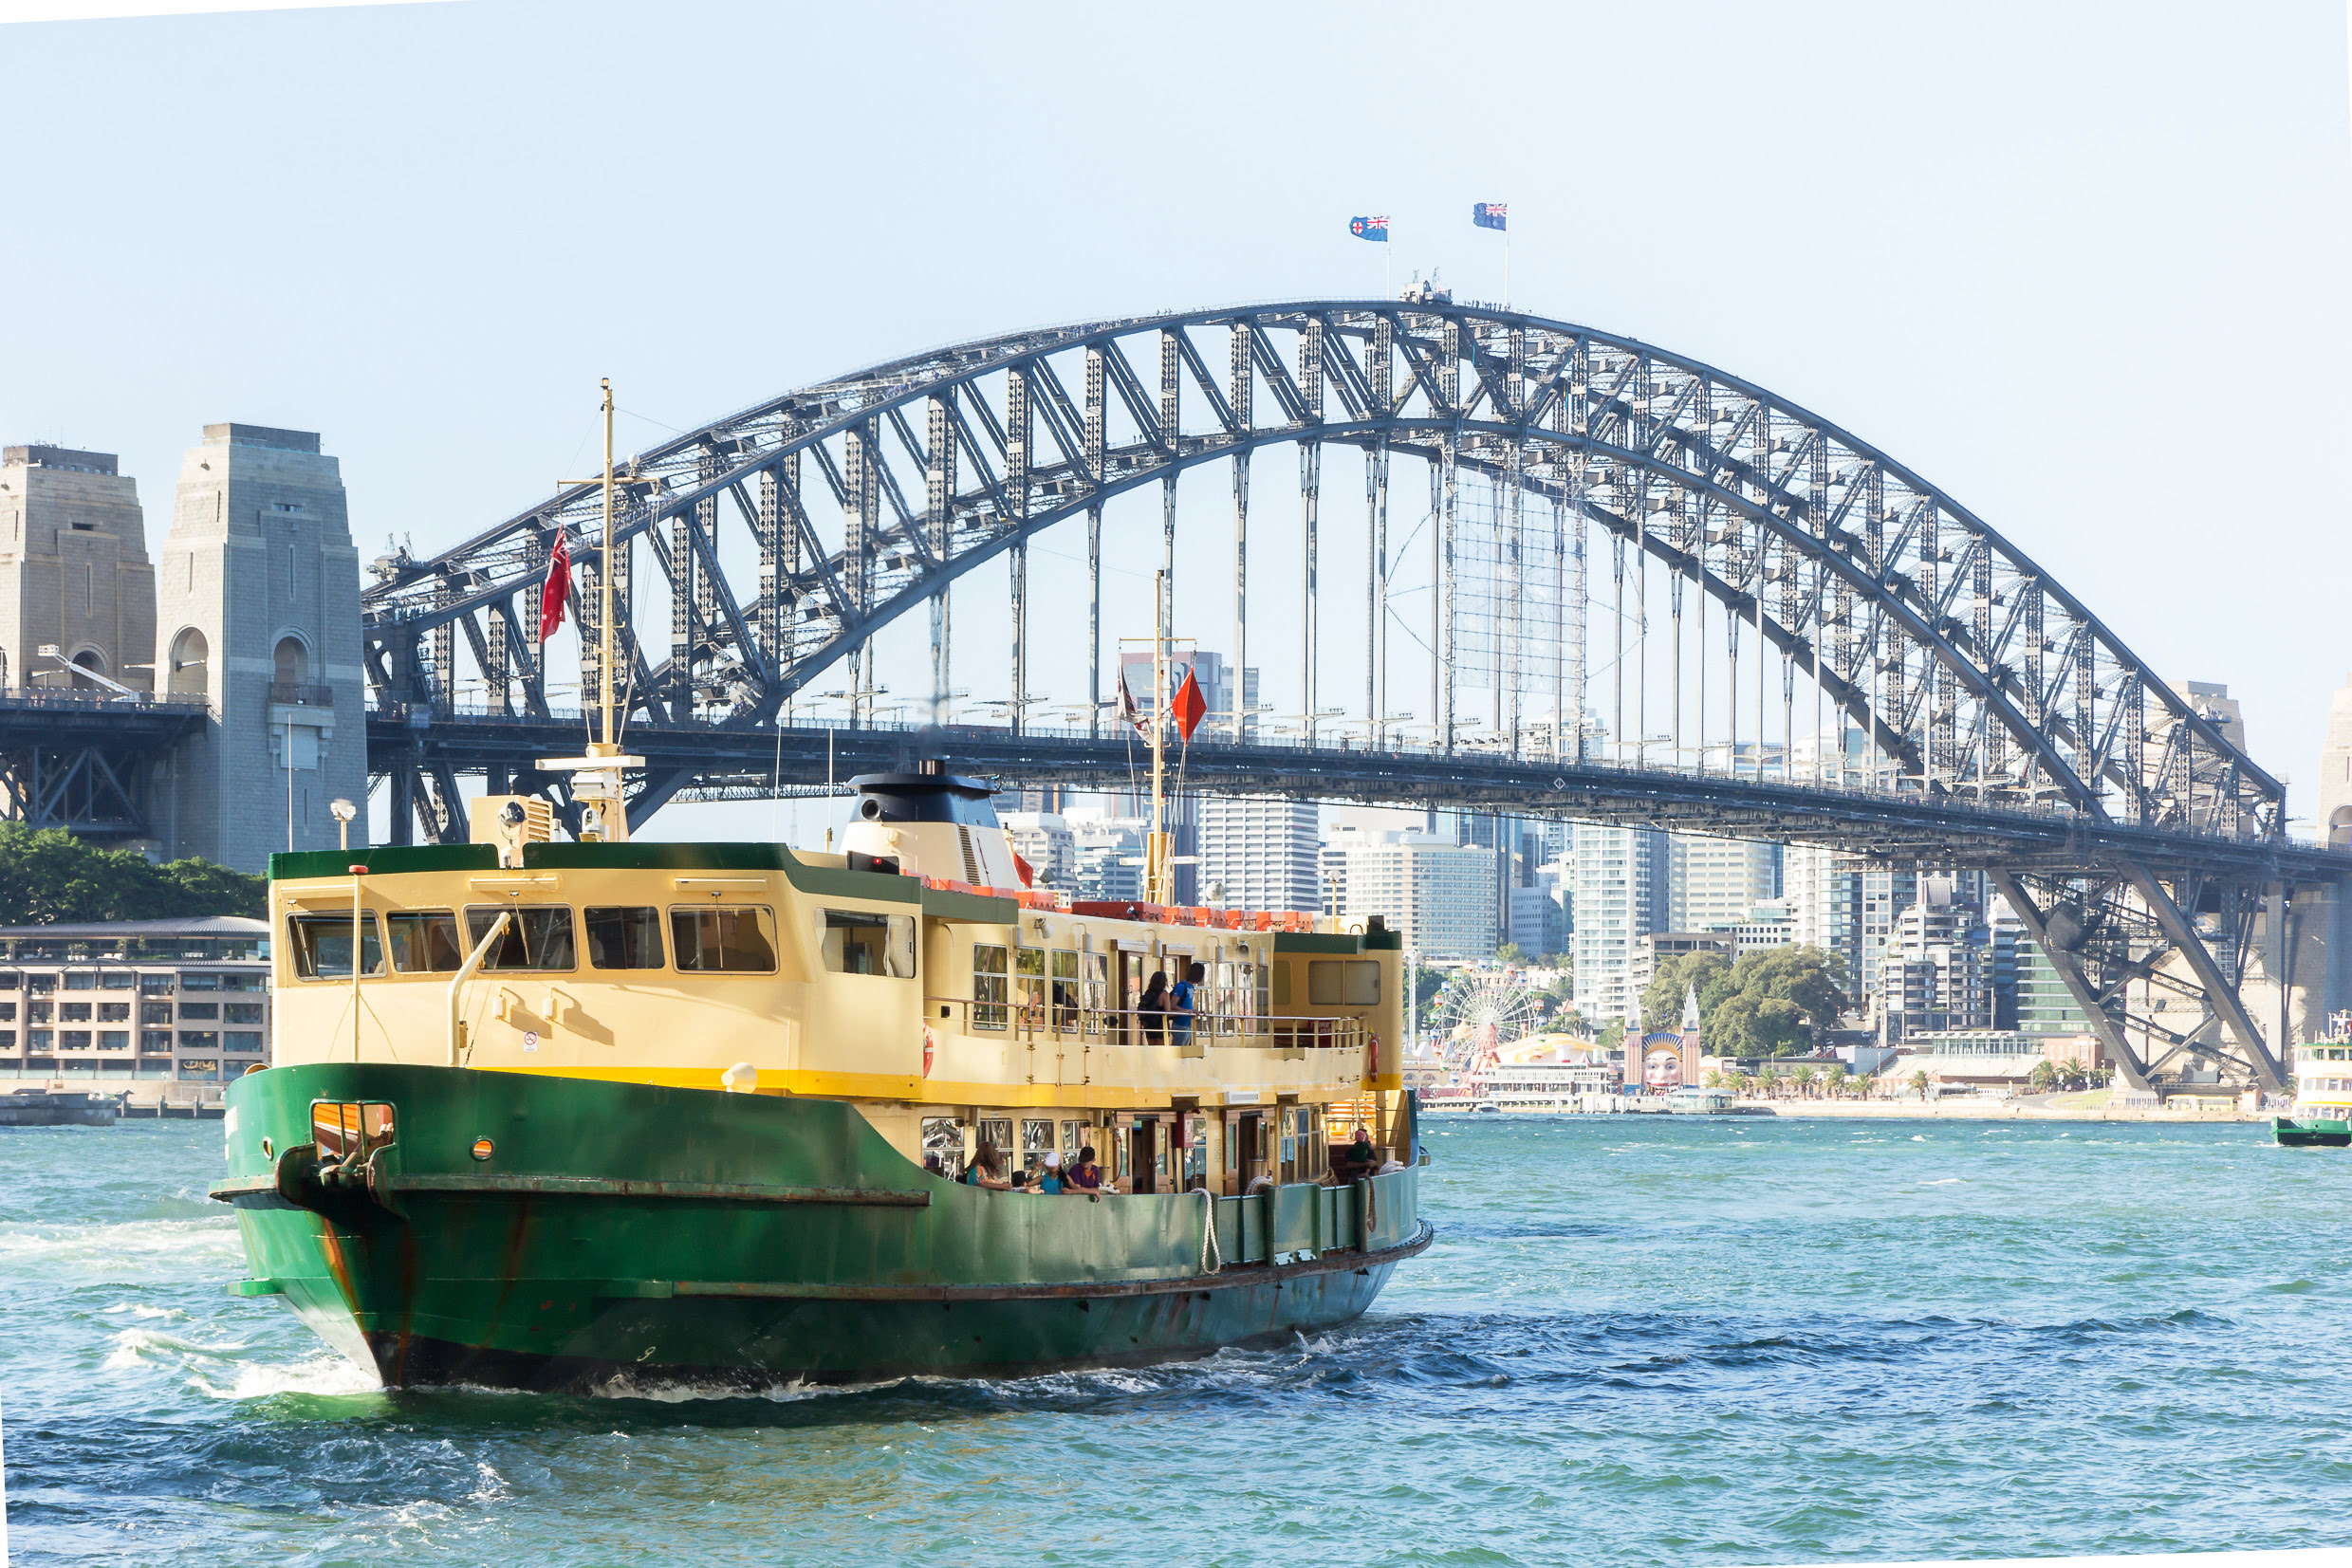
(2311, 1133)
(675, 1235)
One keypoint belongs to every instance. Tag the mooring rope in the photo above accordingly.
(1212, 1254)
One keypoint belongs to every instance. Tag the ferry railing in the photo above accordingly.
(1035, 1023)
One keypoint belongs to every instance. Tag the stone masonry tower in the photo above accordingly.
(2335, 802)
(259, 610)
(73, 570)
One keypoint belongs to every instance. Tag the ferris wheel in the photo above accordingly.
(1479, 1011)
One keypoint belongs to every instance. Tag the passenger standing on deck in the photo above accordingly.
(1085, 1176)
(1154, 1006)
(1050, 1178)
(1181, 1004)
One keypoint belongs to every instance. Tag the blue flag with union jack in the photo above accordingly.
(1488, 214)
(1369, 229)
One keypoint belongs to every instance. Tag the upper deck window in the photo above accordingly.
(859, 943)
(322, 947)
(424, 942)
(539, 937)
(624, 937)
(733, 940)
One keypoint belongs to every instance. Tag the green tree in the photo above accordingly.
(1509, 954)
(1712, 1080)
(1662, 1000)
(50, 877)
(1834, 1080)
(1919, 1083)
(1803, 1078)
(2042, 1079)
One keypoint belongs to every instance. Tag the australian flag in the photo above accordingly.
(1369, 229)
(1488, 214)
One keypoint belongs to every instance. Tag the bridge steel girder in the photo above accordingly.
(1977, 674)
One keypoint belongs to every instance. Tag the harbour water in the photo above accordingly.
(1638, 1340)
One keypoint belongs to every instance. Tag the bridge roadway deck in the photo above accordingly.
(1902, 825)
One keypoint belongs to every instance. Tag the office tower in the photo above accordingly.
(1620, 898)
(1261, 849)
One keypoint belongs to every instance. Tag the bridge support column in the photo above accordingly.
(1310, 483)
(2221, 993)
(2060, 950)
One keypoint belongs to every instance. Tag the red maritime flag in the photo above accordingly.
(559, 587)
(1190, 706)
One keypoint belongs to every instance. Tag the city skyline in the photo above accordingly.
(2086, 283)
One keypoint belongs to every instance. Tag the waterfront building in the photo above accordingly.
(1439, 894)
(1712, 881)
(1619, 897)
(258, 611)
(184, 1000)
(1261, 849)
(74, 574)
(1936, 972)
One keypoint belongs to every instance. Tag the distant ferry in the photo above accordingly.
(2323, 1109)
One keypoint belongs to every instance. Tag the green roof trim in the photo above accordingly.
(975, 909)
(826, 881)
(383, 860)
(1323, 942)
(1383, 941)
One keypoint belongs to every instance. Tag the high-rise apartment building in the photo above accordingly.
(1439, 894)
(1260, 849)
(258, 610)
(1109, 856)
(1620, 898)
(1937, 973)
(74, 575)
(1712, 881)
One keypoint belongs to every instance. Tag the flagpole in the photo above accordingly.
(1157, 890)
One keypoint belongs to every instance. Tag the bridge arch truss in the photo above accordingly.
(783, 537)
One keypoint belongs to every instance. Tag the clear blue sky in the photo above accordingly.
(2082, 267)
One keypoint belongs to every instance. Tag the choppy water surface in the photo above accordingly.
(1636, 1341)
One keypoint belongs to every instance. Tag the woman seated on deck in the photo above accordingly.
(986, 1169)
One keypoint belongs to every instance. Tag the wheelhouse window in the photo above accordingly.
(858, 943)
(539, 937)
(989, 987)
(424, 942)
(734, 940)
(623, 936)
(322, 947)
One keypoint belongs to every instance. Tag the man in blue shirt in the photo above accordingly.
(1181, 1004)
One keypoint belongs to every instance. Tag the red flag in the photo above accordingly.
(1190, 706)
(559, 587)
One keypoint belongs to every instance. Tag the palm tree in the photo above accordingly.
(1712, 1080)
(1835, 1079)
(1919, 1083)
(1805, 1081)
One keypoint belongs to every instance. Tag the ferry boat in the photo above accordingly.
(2321, 1115)
(603, 1111)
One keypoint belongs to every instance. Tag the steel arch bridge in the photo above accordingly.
(2000, 723)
